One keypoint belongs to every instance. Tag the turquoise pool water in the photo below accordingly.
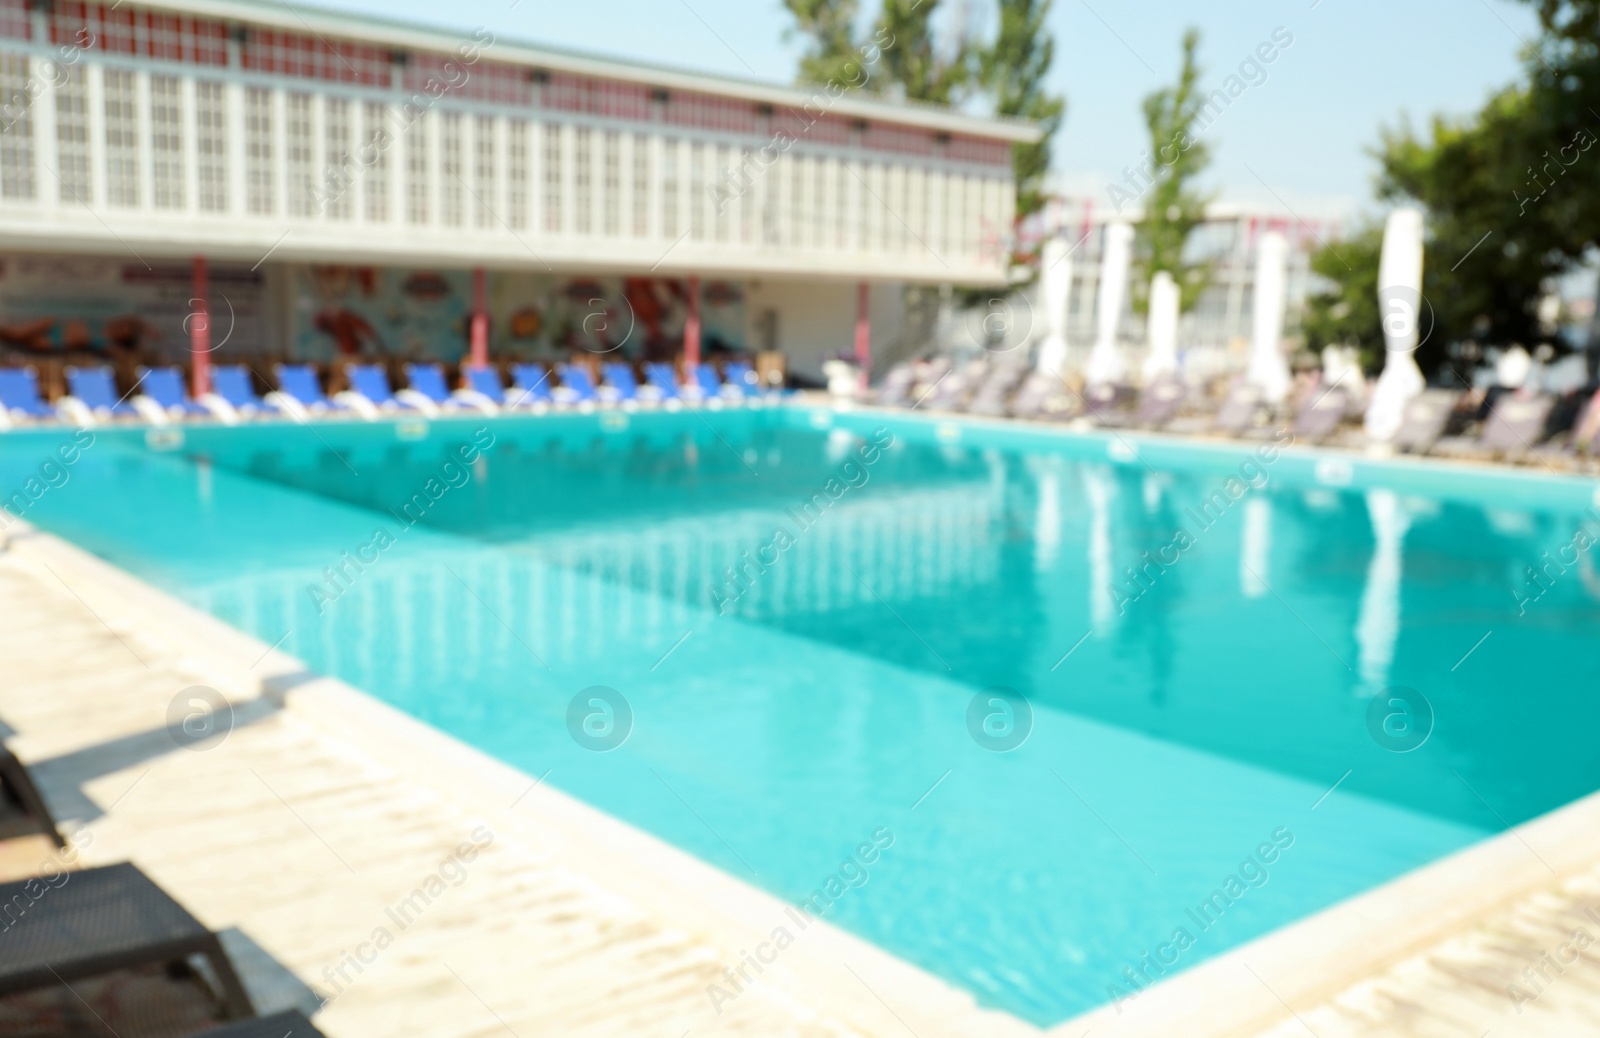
(1185, 730)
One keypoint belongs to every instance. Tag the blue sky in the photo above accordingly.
(1354, 66)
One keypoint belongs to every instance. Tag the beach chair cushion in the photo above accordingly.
(1159, 403)
(19, 391)
(706, 379)
(741, 376)
(97, 390)
(1240, 410)
(1322, 414)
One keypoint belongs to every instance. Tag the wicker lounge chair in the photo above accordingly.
(100, 920)
(20, 788)
(279, 1025)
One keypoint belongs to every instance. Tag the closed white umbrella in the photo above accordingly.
(1268, 369)
(1399, 306)
(1055, 288)
(1106, 362)
(1162, 359)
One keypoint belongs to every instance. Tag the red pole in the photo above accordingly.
(691, 331)
(480, 320)
(863, 334)
(200, 329)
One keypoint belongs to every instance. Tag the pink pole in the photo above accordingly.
(863, 333)
(480, 320)
(691, 331)
(200, 328)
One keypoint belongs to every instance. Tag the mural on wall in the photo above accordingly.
(69, 304)
(365, 311)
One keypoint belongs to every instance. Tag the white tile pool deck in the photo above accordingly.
(302, 832)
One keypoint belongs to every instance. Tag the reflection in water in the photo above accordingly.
(1378, 628)
(1047, 514)
(1254, 573)
(1099, 488)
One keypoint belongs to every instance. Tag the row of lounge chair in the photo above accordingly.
(1509, 425)
(159, 396)
(99, 921)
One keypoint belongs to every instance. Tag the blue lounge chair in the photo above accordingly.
(231, 386)
(620, 386)
(299, 389)
(740, 377)
(162, 396)
(662, 382)
(429, 388)
(93, 396)
(485, 382)
(577, 387)
(530, 386)
(19, 396)
(370, 394)
(706, 380)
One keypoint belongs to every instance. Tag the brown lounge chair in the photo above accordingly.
(1241, 411)
(99, 920)
(19, 788)
(1321, 417)
(279, 1025)
(1425, 419)
(1044, 395)
(1159, 403)
(996, 389)
(1514, 426)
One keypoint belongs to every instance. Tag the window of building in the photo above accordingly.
(372, 161)
(451, 170)
(669, 189)
(821, 202)
(258, 149)
(641, 185)
(211, 145)
(417, 186)
(800, 184)
(613, 183)
(552, 178)
(843, 188)
(122, 138)
(483, 173)
(72, 135)
(338, 180)
(16, 129)
(166, 142)
(697, 191)
(517, 175)
(583, 181)
(302, 185)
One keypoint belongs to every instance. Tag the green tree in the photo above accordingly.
(828, 26)
(1015, 69)
(915, 66)
(1346, 312)
(1174, 207)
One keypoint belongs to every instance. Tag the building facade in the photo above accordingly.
(283, 144)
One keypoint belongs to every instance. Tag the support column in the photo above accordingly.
(691, 332)
(200, 328)
(480, 320)
(864, 333)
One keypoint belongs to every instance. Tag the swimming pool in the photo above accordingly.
(1199, 634)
